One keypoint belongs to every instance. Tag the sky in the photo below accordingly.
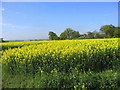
(34, 20)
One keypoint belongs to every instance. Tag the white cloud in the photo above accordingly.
(14, 26)
(3, 9)
(5, 24)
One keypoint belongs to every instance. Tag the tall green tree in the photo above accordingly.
(63, 36)
(53, 36)
(68, 33)
(116, 32)
(75, 34)
(96, 34)
(90, 35)
(108, 30)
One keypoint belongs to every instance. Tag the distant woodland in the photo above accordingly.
(106, 31)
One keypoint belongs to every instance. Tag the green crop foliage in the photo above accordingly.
(61, 56)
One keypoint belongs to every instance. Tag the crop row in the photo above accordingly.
(7, 45)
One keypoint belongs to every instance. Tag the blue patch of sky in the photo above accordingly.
(34, 20)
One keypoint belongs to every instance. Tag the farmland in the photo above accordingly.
(87, 63)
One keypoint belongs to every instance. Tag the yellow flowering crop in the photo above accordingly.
(93, 54)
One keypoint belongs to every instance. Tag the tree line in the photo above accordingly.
(106, 31)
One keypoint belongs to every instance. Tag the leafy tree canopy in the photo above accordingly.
(53, 36)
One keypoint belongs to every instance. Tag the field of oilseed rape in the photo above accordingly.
(73, 64)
